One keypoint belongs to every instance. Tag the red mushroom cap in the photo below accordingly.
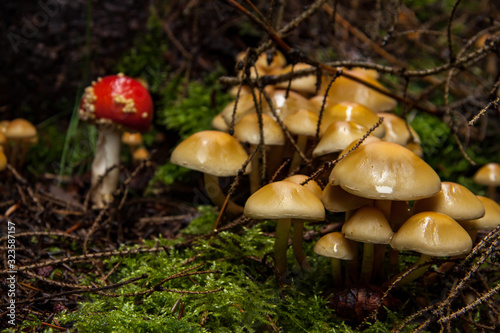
(119, 99)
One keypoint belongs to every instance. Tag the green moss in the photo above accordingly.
(251, 300)
(187, 111)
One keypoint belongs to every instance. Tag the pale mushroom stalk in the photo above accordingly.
(337, 272)
(281, 245)
(104, 181)
(415, 273)
(296, 160)
(214, 192)
(367, 263)
(297, 241)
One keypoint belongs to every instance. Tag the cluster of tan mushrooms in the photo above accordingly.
(392, 199)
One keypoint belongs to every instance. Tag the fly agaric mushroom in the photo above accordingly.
(112, 104)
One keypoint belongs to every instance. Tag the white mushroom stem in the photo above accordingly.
(297, 240)
(281, 245)
(214, 192)
(107, 156)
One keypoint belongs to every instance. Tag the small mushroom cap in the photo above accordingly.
(344, 89)
(3, 125)
(454, 200)
(247, 130)
(212, 152)
(335, 245)
(489, 221)
(350, 111)
(20, 129)
(338, 136)
(133, 139)
(219, 124)
(396, 129)
(244, 105)
(368, 225)
(317, 102)
(286, 105)
(337, 200)
(140, 154)
(305, 84)
(118, 100)
(282, 200)
(310, 185)
(488, 175)
(433, 234)
(302, 122)
(277, 60)
(385, 170)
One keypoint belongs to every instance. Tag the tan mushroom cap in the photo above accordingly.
(366, 141)
(3, 125)
(433, 234)
(140, 154)
(336, 200)
(278, 60)
(454, 200)
(317, 102)
(282, 200)
(219, 124)
(285, 106)
(310, 185)
(396, 129)
(305, 84)
(350, 111)
(344, 89)
(20, 129)
(488, 175)
(368, 225)
(302, 122)
(212, 152)
(244, 105)
(489, 221)
(338, 136)
(247, 130)
(335, 245)
(132, 138)
(385, 170)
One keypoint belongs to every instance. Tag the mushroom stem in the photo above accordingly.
(107, 156)
(281, 245)
(367, 264)
(214, 192)
(256, 173)
(492, 192)
(336, 272)
(302, 144)
(14, 153)
(297, 240)
(415, 274)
